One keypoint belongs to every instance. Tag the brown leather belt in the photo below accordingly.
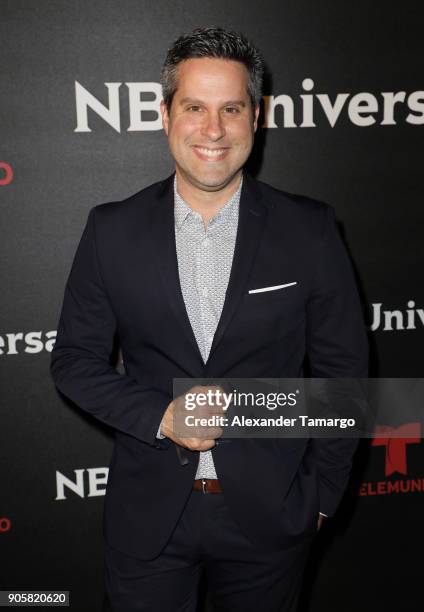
(207, 485)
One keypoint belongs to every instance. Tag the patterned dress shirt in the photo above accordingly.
(205, 256)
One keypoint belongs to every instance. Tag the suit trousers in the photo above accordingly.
(240, 576)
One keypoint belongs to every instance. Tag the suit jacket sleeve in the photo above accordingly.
(337, 347)
(81, 360)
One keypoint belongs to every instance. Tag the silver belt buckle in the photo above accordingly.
(204, 491)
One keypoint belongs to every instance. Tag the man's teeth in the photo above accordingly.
(211, 152)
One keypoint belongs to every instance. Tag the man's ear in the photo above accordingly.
(255, 117)
(165, 116)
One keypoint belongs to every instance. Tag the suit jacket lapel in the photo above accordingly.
(163, 248)
(252, 214)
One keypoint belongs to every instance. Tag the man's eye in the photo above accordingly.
(194, 108)
(232, 110)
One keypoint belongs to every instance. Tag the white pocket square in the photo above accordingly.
(274, 288)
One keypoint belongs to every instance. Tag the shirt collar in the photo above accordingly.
(228, 212)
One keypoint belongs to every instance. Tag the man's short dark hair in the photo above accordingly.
(213, 43)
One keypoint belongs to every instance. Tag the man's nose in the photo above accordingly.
(213, 127)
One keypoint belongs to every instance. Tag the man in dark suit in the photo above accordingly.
(173, 272)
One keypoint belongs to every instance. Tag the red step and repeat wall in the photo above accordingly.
(342, 122)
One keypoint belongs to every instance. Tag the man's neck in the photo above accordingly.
(206, 203)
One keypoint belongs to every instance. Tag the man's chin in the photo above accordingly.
(216, 183)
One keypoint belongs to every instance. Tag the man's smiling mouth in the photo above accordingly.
(211, 154)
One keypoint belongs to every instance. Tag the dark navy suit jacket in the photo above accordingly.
(124, 285)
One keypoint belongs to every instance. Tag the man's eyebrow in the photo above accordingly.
(200, 102)
(235, 103)
(190, 101)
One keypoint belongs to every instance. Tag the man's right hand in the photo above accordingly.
(200, 438)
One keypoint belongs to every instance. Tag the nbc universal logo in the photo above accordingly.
(307, 110)
(385, 320)
(15, 343)
(90, 482)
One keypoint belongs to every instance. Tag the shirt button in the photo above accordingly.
(206, 242)
(205, 292)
